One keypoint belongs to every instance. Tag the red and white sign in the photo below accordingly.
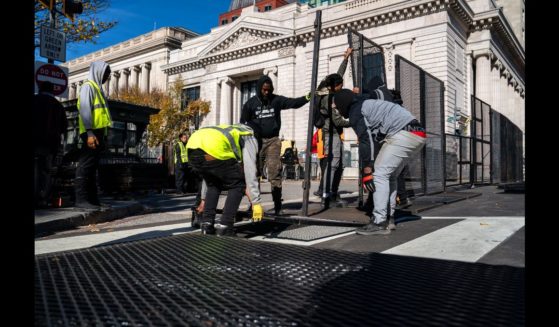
(57, 75)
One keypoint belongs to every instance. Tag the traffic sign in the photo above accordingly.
(53, 44)
(57, 75)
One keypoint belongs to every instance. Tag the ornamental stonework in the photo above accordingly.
(287, 51)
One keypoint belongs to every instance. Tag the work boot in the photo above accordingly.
(225, 230)
(207, 229)
(276, 196)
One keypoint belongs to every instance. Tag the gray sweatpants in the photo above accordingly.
(393, 156)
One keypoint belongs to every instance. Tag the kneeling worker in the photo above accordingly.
(225, 157)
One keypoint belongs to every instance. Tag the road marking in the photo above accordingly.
(471, 217)
(467, 240)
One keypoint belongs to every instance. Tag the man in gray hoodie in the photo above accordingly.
(94, 120)
(402, 137)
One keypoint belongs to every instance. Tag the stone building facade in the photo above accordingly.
(469, 45)
(135, 62)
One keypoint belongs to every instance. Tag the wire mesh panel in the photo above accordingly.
(423, 97)
(507, 156)
(457, 160)
(367, 60)
(481, 137)
(195, 280)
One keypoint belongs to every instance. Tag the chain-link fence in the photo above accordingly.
(423, 96)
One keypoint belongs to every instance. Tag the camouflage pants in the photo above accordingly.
(269, 159)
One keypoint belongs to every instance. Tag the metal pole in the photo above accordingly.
(307, 181)
(52, 18)
(360, 85)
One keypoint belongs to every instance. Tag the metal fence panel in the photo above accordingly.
(423, 97)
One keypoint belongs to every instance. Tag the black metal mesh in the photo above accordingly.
(481, 138)
(423, 97)
(368, 63)
(457, 158)
(507, 156)
(208, 281)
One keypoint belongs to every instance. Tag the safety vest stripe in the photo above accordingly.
(227, 133)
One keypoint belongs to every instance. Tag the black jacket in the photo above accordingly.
(264, 116)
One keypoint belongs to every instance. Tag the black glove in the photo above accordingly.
(368, 182)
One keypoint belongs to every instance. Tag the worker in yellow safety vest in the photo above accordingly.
(226, 158)
(94, 119)
(181, 163)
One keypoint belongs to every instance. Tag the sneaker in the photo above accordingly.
(224, 230)
(373, 229)
(391, 223)
(402, 204)
(318, 193)
(337, 201)
(207, 229)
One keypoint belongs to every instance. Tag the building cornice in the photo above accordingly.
(168, 37)
(366, 19)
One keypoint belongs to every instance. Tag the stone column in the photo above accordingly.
(144, 83)
(483, 76)
(123, 80)
(72, 92)
(272, 72)
(106, 87)
(135, 71)
(114, 83)
(225, 109)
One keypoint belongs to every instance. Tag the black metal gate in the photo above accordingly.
(458, 159)
(423, 96)
(507, 156)
(481, 138)
(367, 61)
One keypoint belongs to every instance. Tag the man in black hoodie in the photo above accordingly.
(262, 112)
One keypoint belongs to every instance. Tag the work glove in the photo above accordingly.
(368, 182)
(308, 96)
(257, 212)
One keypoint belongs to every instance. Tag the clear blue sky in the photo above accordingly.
(136, 17)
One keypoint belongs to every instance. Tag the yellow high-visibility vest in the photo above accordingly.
(183, 154)
(221, 142)
(101, 116)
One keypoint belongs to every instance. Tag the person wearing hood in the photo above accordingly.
(94, 120)
(402, 137)
(262, 112)
(330, 145)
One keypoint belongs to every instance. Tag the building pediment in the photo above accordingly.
(245, 34)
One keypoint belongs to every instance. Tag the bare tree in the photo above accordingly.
(85, 27)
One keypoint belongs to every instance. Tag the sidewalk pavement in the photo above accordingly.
(49, 221)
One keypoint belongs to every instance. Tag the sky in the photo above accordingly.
(137, 17)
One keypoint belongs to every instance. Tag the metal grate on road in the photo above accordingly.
(310, 233)
(200, 280)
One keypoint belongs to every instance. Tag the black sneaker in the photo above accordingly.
(207, 229)
(403, 204)
(373, 229)
(224, 230)
(318, 193)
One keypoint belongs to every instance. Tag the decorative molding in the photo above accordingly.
(273, 70)
(286, 52)
(211, 68)
(226, 79)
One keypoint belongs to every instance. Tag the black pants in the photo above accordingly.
(88, 165)
(180, 177)
(220, 175)
(43, 179)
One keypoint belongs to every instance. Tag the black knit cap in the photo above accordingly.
(343, 100)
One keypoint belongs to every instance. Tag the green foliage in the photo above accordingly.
(86, 26)
(170, 121)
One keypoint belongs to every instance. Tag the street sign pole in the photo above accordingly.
(52, 25)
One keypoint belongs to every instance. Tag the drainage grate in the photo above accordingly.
(201, 280)
(309, 233)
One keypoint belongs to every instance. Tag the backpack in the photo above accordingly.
(318, 119)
